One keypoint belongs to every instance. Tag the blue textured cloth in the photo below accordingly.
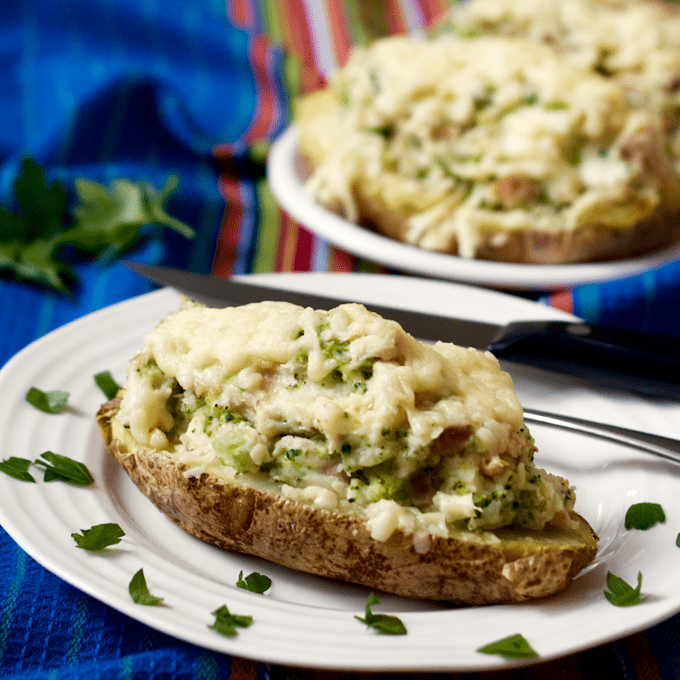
(649, 301)
(107, 89)
(102, 89)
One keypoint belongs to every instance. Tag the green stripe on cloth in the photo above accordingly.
(206, 666)
(127, 664)
(11, 599)
(77, 633)
(271, 24)
(267, 232)
(361, 32)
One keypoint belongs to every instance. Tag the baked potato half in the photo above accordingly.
(335, 444)
(536, 132)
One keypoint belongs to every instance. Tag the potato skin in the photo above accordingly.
(328, 544)
(589, 243)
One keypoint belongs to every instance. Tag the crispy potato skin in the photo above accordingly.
(589, 243)
(328, 544)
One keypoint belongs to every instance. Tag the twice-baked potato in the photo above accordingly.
(536, 132)
(336, 444)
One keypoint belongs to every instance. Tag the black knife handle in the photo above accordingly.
(624, 359)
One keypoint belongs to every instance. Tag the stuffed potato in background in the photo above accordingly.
(537, 132)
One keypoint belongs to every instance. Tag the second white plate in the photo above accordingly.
(285, 179)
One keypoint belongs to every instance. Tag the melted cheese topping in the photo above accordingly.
(342, 410)
(515, 115)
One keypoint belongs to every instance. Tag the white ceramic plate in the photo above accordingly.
(307, 621)
(286, 182)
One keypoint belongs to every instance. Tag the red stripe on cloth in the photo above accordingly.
(302, 261)
(310, 80)
(394, 16)
(297, 31)
(265, 104)
(340, 261)
(243, 669)
(240, 13)
(562, 301)
(341, 41)
(432, 9)
(227, 241)
(286, 244)
(646, 666)
(294, 247)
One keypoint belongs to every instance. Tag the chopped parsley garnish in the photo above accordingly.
(55, 468)
(620, 593)
(64, 469)
(254, 582)
(139, 592)
(49, 402)
(512, 647)
(383, 623)
(17, 468)
(644, 516)
(106, 383)
(226, 622)
(99, 536)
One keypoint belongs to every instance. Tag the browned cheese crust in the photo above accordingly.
(245, 520)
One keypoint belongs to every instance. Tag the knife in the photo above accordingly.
(622, 359)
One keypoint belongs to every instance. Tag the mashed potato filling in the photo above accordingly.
(533, 115)
(342, 410)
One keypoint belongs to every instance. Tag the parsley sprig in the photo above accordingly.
(644, 516)
(55, 467)
(254, 582)
(511, 647)
(63, 469)
(620, 593)
(383, 623)
(99, 536)
(104, 222)
(17, 468)
(107, 384)
(50, 402)
(225, 622)
(139, 591)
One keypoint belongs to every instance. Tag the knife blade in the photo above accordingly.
(632, 361)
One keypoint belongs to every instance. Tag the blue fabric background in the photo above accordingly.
(102, 89)
(106, 89)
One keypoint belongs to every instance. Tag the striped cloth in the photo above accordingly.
(142, 89)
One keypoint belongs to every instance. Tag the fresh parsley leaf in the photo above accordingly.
(387, 625)
(254, 582)
(644, 516)
(31, 237)
(113, 216)
(106, 383)
(677, 541)
(512, 647)
(99, 536)
(49, 402)
(17, 468)
(225, 622)
(106, 222)
(139, 592)
(64, 469)
(621, 594)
